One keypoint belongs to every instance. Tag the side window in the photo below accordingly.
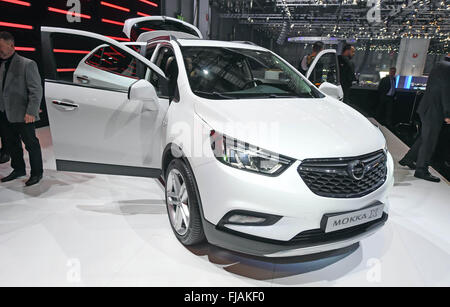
(136, 48)
(118, 62)
(87, 61)
(167, 62)
(95, 58)
(325, 70)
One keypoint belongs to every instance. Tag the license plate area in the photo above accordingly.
(342, 220)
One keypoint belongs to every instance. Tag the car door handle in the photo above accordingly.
(83, 79)
(66, 105)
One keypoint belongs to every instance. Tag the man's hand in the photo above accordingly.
(447, 120)
(29, 119)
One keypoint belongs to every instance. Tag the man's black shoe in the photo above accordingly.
(408, 163)
(33, 180)
(4, 158)
(425, 175)
(13, 175)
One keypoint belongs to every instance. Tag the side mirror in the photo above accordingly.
(331, 90)
(144, 91)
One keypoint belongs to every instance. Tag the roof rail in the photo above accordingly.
(162, 35)
(166, 38)
(245, 42)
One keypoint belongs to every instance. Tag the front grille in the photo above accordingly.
(345, 177)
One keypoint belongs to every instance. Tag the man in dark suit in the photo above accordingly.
(20, 99)
(386, 91)
(434, 110)
(347, 70)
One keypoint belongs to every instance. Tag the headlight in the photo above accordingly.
(247, 157)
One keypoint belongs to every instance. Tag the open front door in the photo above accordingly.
(324, 73)
(143, 29)
(98, 128)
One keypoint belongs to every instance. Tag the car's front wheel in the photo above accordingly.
(182, 203)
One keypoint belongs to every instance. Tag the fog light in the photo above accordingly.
(248, 218)
(245, 219)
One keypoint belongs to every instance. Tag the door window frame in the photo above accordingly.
(155, 57)
(50, 72)
(102, 68)
(317, 58)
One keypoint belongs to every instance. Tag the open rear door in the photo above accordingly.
(98, 128)
(324, 73)
(143, 29)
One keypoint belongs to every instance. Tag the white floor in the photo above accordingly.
(82, 229)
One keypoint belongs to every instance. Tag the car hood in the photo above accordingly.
(299, 128)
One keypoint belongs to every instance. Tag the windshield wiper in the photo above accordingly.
(286, 96)
(280, 96)
(215, 94)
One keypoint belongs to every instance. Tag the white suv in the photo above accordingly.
(254, 157)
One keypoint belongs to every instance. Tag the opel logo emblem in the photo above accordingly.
(356, 170)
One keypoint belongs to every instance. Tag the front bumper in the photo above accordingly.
(303, 244)
(223, 189)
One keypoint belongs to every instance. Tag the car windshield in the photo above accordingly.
(234, 73)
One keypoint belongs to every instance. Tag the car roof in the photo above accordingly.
(216, 43)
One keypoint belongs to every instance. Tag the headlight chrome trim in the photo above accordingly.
(219, 143)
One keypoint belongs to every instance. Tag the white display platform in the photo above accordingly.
(94, 230)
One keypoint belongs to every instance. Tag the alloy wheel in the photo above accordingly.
(177, 201)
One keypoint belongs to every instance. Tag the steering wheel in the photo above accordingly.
(255, 83)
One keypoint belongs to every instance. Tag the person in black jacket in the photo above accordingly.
(386, 91)
(434, 109)
(347, 70)
(20, 99)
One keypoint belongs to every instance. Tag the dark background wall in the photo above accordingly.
(23, 18)
(27, 16)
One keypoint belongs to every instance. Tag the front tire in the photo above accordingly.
(183, 205)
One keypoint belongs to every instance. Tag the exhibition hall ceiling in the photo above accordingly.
(347, 19)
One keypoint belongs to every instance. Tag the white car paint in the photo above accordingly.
(112, 128)
(146, 36)
(331, 126)
(105, 128)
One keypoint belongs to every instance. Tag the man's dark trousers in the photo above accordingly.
(385, 110)
(423, 148)
(14, 134)
(2, 141)
(346, 92)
